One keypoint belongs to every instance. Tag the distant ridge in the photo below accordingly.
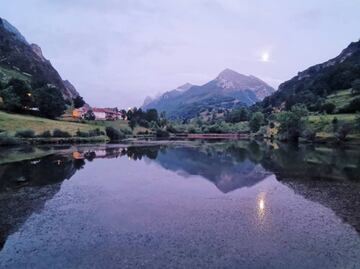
(228, 90)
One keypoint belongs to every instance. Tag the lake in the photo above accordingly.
(196, 204)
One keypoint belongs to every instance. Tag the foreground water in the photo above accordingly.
(199, 205)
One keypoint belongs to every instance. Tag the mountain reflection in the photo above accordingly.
(329, 176)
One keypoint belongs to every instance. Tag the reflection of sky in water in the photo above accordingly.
(120, 211)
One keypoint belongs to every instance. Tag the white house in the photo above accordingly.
(100, 113)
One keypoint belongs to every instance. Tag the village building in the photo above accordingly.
(106, 113)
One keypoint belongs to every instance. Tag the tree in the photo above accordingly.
(151, 115)
(238, 115)
(335, 124)
(355, 86)
(291, 122)
(328, 108)
(343, 132)
(123, 114)
(132, 124)
(114, 134)
(49, 101)
(357, 122)
(256, 121)
(78, 101)
(16, 96)
(89, 115)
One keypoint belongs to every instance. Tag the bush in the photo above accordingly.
(8, 141)
(256, 121)
(309, 134)
(59, 133)
(335, 124)
(96, 132)
(45, 134)
(114, 134)
(343, 132)
(162, 133)
(82, 134)
(89, 115)
(357, 122)
(353, 107)
(25, 133)
(126, 131)
(328, 108)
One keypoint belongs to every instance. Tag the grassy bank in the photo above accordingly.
(12, 123)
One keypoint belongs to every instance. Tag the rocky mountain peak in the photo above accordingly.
(12, 29)
(185, 87)
(230, 75)
(36, 48)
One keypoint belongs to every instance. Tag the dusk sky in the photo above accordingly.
(117, 52)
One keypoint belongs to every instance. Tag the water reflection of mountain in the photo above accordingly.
(329, 176)
(221, 168)
(26, 186)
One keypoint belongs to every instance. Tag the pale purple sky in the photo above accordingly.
(117, 52)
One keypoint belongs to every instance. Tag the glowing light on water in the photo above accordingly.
(261, 206)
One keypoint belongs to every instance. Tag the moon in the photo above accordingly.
(265, 57)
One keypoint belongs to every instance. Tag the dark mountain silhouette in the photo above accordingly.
(26, 60)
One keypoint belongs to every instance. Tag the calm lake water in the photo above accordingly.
(196, 205)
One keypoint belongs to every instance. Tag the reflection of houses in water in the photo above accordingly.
(133, 153)
(102, 153)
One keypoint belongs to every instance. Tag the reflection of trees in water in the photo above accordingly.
(26, 186)
(329, 176)
(136, 153)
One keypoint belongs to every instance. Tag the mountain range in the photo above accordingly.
(19, 59)
(228, 90)
(313, 85)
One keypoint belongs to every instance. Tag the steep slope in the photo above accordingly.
(27, 60)
(314, 84)
(228, 90)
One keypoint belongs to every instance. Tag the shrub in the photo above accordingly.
(60, 133)
(114, 134)
(126, 131)
(309, 134)
(355, 86)
(335, 124)
(357, 122)
(162, 133)
(25, 133)
(353, 107)
(344, 130)
(82, 134)
(256, 121)
(89, 115)
(328, 108)
(45, 134)
(96, 132)
(8, 141)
